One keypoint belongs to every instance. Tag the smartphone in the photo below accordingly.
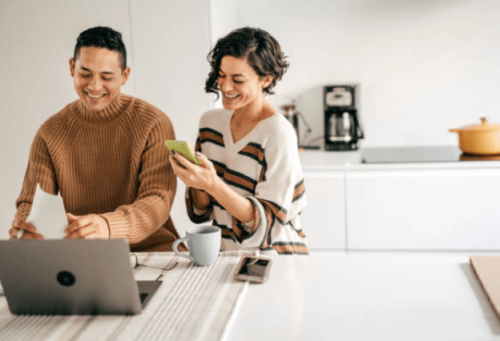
(253, 269)
(184, 148)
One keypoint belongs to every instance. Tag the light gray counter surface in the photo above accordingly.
(368, 296)
(320, 160)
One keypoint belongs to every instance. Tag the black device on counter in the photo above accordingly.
(342, 126)
(253, 269)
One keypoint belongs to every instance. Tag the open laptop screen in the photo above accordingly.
(84, 277)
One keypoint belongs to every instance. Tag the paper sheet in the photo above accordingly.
(48, 214)
(487, 269)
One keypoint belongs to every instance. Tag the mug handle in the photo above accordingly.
(176, 243)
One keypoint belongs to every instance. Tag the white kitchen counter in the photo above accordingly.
(368, 296)
(325, 160)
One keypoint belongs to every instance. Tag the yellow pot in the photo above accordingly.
(479, 139)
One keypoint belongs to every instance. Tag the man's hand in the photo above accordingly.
(29, 230)
(91, 226)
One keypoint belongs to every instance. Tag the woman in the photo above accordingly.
(250, 182)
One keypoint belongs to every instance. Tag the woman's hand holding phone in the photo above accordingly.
(201, 177)
(206, 185)
(184, 148)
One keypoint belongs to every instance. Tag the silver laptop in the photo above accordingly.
(71, 277)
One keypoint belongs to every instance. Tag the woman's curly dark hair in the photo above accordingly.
(257, 46)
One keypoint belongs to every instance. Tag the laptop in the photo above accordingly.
(71, 277)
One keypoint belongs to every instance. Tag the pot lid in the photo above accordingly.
(479, 128)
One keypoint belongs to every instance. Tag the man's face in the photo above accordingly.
(97, 76)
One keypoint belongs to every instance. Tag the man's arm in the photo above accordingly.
(156, 191)
(40, 170)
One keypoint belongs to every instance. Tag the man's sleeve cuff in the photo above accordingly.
(117, 224)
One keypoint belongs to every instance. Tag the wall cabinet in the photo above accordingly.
(403, 208)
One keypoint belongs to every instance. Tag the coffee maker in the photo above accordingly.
(342, 126)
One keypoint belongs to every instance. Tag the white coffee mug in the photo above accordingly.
(203, 244)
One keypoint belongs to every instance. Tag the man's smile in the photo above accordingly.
(94, 95)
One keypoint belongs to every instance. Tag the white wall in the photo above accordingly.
(171, 41)
(423, 66)
(223, 17)
(167, 42)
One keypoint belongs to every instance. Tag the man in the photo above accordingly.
(105, 154)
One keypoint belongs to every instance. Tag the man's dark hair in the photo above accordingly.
(257, 46)
(103, 37)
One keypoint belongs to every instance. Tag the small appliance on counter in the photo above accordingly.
(342, 126)
(293, 116)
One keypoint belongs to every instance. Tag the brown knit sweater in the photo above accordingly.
(113, 163)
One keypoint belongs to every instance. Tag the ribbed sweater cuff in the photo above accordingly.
(22, 212)
(117, 223)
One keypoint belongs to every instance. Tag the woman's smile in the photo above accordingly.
(230, 96)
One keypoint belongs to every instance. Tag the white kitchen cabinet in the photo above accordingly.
(423, 208)
(323, 220)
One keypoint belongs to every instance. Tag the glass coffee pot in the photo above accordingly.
(343, 130)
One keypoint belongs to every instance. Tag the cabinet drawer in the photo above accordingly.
(437, 209)
(323, 219)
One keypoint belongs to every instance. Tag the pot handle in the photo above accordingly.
(453, 130)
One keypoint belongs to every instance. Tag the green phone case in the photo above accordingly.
(183, 148)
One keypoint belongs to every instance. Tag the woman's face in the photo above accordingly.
(240, 86)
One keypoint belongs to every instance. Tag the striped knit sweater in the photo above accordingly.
(113, 163)
(264, 167)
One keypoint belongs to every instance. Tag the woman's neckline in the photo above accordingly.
(245, 137)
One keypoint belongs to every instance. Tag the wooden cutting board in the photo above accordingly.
(487, 269)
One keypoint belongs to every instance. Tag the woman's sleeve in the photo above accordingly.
(279, 194)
